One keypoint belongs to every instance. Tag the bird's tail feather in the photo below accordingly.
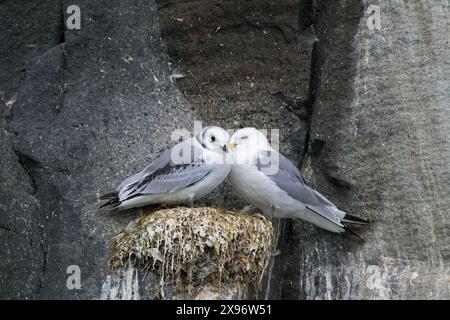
(354, 233)
(348, 218)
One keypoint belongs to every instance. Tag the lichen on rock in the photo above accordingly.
(190, 248)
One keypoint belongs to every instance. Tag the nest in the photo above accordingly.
(193, 247)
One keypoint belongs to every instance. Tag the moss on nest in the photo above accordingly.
(191, 247)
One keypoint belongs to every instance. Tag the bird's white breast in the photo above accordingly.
(260, 191)
(250, 184)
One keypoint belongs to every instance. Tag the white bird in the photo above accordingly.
(270, 182)
(187, 172)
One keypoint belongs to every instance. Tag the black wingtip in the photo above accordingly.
(348, 218)
(113, 200)
(110, 195)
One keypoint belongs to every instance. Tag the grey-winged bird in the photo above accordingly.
(270, 182)
(187, 172)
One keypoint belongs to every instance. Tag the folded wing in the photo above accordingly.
(289, 179)
(165, 176)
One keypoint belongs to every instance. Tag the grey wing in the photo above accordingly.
(289, 179)
(164, 176)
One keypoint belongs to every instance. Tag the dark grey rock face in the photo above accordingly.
(22, 260)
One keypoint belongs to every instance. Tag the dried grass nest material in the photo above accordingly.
(189, 247)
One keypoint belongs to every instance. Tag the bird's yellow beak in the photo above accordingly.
(232, 146)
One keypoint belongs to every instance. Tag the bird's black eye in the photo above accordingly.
(213, 138)
(244, 137)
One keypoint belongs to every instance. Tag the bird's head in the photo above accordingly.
(214, 139)
(249, 139)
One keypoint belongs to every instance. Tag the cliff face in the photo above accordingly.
(379, 147)
(364, 111)
(94, 105)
